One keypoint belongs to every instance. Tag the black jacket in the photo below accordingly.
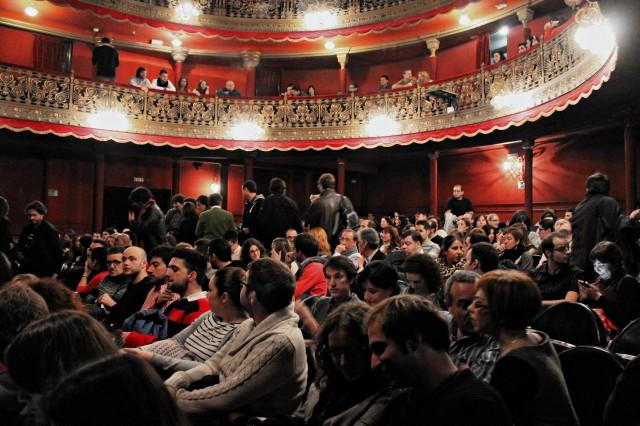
(326, 212)
(250, 215)
(39, 250)
(149, 227)
(105, 58)
(278, 214)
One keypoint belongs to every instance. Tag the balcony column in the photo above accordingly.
(433, 44)
(341, 176)
(98, 192)
(527, 148)
(179, 55)
(525, 15)
(250, 61)
(433, 182)
(630, 171)
(343, 76)
(224, 182)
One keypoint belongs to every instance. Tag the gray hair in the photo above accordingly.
(461, 276)
(369, 236)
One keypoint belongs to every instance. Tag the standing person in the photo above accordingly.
(146, 220)
(458, 204)
(330, 209)
(39, 250)
(105, 59)
(5, 227)
(215, 222)
(173, 217)
(279, 214)
(252, 206)
(594, 220)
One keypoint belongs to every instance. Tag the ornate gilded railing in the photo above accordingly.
(555, 68)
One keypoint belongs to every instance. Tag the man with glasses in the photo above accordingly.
(557, 279)
(477, 351)
(347, 246)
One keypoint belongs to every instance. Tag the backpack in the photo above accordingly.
(151, 322)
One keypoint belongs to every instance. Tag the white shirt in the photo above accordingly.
(170, 87)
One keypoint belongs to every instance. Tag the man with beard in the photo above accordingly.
(556, 278)
(160, 295)
(38, 250)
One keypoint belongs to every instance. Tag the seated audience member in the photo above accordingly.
(422, 276)
(340, 275)
(614, 292)
(528, 373)
(545, 228)
(379, 281)
(183, 85)
(324, 248)
(310, 276)
(407, 81)
(412, 242)
(140, 80)
(369, 247)
(229, 89)
(114, 284)
(481, 258)
(390, 240)
(161, 295)
(292, 90)
(204, 337)
(479, 221)
(514, 253)
(409, 341)
(385, 84)
(311, 91)
(252, 249)
(497, 57)
(262, 369)
(232, 239)
(95, 270)
(423, 78)
(473, 236)
(451, 257)
(348, 246)
(477, 351)
(144, 401)
(522, 47)
(186, 277)
(557, 279)
(220, 255)
(162, 82)
(57, 296)
(279, 250)
(463, 225)
(428, 246)
(562, 225)
(201, 89)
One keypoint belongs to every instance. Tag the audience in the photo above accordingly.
(162, 82)
(201, 89)
(140, 80)
(229, 89)
(378, 281)
(183, 85)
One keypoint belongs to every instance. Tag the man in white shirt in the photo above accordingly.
(162, 82)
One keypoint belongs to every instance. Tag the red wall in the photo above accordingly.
(516, 34)
(196, 69)
(197, 181)
(17, 48)
(235, 179)
(326, 81)
(458, 60)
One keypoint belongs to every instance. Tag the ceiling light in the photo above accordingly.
(504, 30)
(464, 19)
(110, 120)
(96, 29)
(176, 42)
(320, 19)
(215, 188)
(382, 125)
(30, 11)
(594, 33)
(329, 45)
(156, 42)
(246, 130)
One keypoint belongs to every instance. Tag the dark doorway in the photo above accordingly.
(116, 205)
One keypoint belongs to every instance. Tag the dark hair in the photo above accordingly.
(177, 198)
(410, 320)
(326, 181)
(105, 40)
(118, 250)
(163, 252)
(281, 245)
(163, 71)
(520, 216)
(57, 296)
(598, 183)
(193, 261)
(381, 275)
(250, 186)
(425, 266)
(342, 263)
(517, 234)
(395, 237)
(144, 400)
(37, 206)
(99, 255)
(277, 186)
(475, 220)
(201, 245)
(513, 298)
(189, 209)
(306, 244)
(245, 256)
(486, 254)
(204, 200)
(369, 236)
(415, 236)
(19, 306)
(547, 243)
(272, 282)
(448, 241)
(4, 208)
(477, 235)
(609, 252)
(221, 249)
(52, 347)
(547, 223)
(231, 235)
(230, 281)
(139, 71)
(384, 76)
(215, 199)
(140, 195)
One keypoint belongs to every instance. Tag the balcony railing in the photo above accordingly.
(553, 69)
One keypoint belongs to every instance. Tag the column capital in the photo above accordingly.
(251, 59)
(433, 44)
(525, 15)
(179, 54)
(343, 59)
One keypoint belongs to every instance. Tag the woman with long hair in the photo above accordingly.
(390, 240)
(324, 248)
(252, 249)
(451, 257)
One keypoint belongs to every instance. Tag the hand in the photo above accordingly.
(106, 300)
(360, 263)
(340, 248)
(125, 335)
(590, 292)
(634, 214)
(313, 197)
(146, 355)
(302, 310)
(172, 390)
(165, 295)
(132, 216)
(87, 266)
(245, 230)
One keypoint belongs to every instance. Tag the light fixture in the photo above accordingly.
(31, 11)
(176, 42)
(320, 19)
(513, 100)
(594, 33)
(185, 10)
(329, 45)
(382, 125)
(512, 165)
(246, 130)
(215, 188)
(109, 120)
(504, 30)
(464, 19)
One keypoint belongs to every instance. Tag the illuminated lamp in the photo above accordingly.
(31, 11)
(176, 42)
(246, 130)
(464, 19)
(215, 188)
(382, 125)
(185, 10)
(109, 120)
(319, 19)
(513, 100)
(504, 30)
(329, 45)
(512, 165)
(594, 33)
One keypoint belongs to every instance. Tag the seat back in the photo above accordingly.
(590, 373)
(622, 407)
(628, 340)
(573, 323)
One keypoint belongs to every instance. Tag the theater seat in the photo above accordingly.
(622, 407)
(590, 373)
(573, 323)
(628, 340)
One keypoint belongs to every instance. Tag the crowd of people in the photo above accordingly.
(304, 319)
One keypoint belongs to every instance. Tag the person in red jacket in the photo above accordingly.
(310, 279)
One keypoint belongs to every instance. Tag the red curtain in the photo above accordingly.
(51, 54)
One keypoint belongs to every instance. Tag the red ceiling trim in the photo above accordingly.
(376, 27)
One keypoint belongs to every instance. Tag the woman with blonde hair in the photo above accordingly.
(324, 248)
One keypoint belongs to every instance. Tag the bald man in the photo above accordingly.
(134, 265)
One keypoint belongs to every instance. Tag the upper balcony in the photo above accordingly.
(546, 79)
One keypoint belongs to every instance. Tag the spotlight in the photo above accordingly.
(30, 11)
(382, 125)
(246, 130)
(176, 42)
(329, 45)
(110, 120)
(215, 188)
(464, 19)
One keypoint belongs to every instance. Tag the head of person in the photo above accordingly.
(163, 75)
(522, 47)
(545, 227)
(481, 257)
(311, 91)
(177, 201)
(134, 260)
(252, 249)
(326, 181)
(159, 259)
(277, 186)
(270, 286)
(608, 260)
(249, 190)
(463, 224)
(291, 235)
(422, 275)
(497, 57)
(411, 242)
(505, 300)
(379, 281)
(183, 83)
(340, 274)
(4, 208)
(215, 199)
(368, 240)
(348, 239)
(521, 216)
(35, 211)
(321, 237)
(384, 80)
(568, 214)
(224, 290)
(480, 221)
(97, 259)
(452, 248)
(305, 246)
(556, 248)
(202, 203)
(391, 237)
(122, 240)
(52, 347)
(115, 261)
(475, 235)
(512, 238)
(562, 225)
(493, 220)
(19, 306)
(139, 196)
(219, 251)
(230, 85)
(231, 237)
(459, 291)
(202, 85)
(403, 331)
(189, 209)
(407, 74)
(458, 192)
(141, 72)
(279, 249)
(144, 399)
(598, 183)
(384, 222)
(186, 267)
(342, 346)
(57, 296)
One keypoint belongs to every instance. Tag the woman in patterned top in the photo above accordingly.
(451, 255)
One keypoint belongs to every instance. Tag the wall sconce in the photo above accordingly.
(215, 188)
(513, 165)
